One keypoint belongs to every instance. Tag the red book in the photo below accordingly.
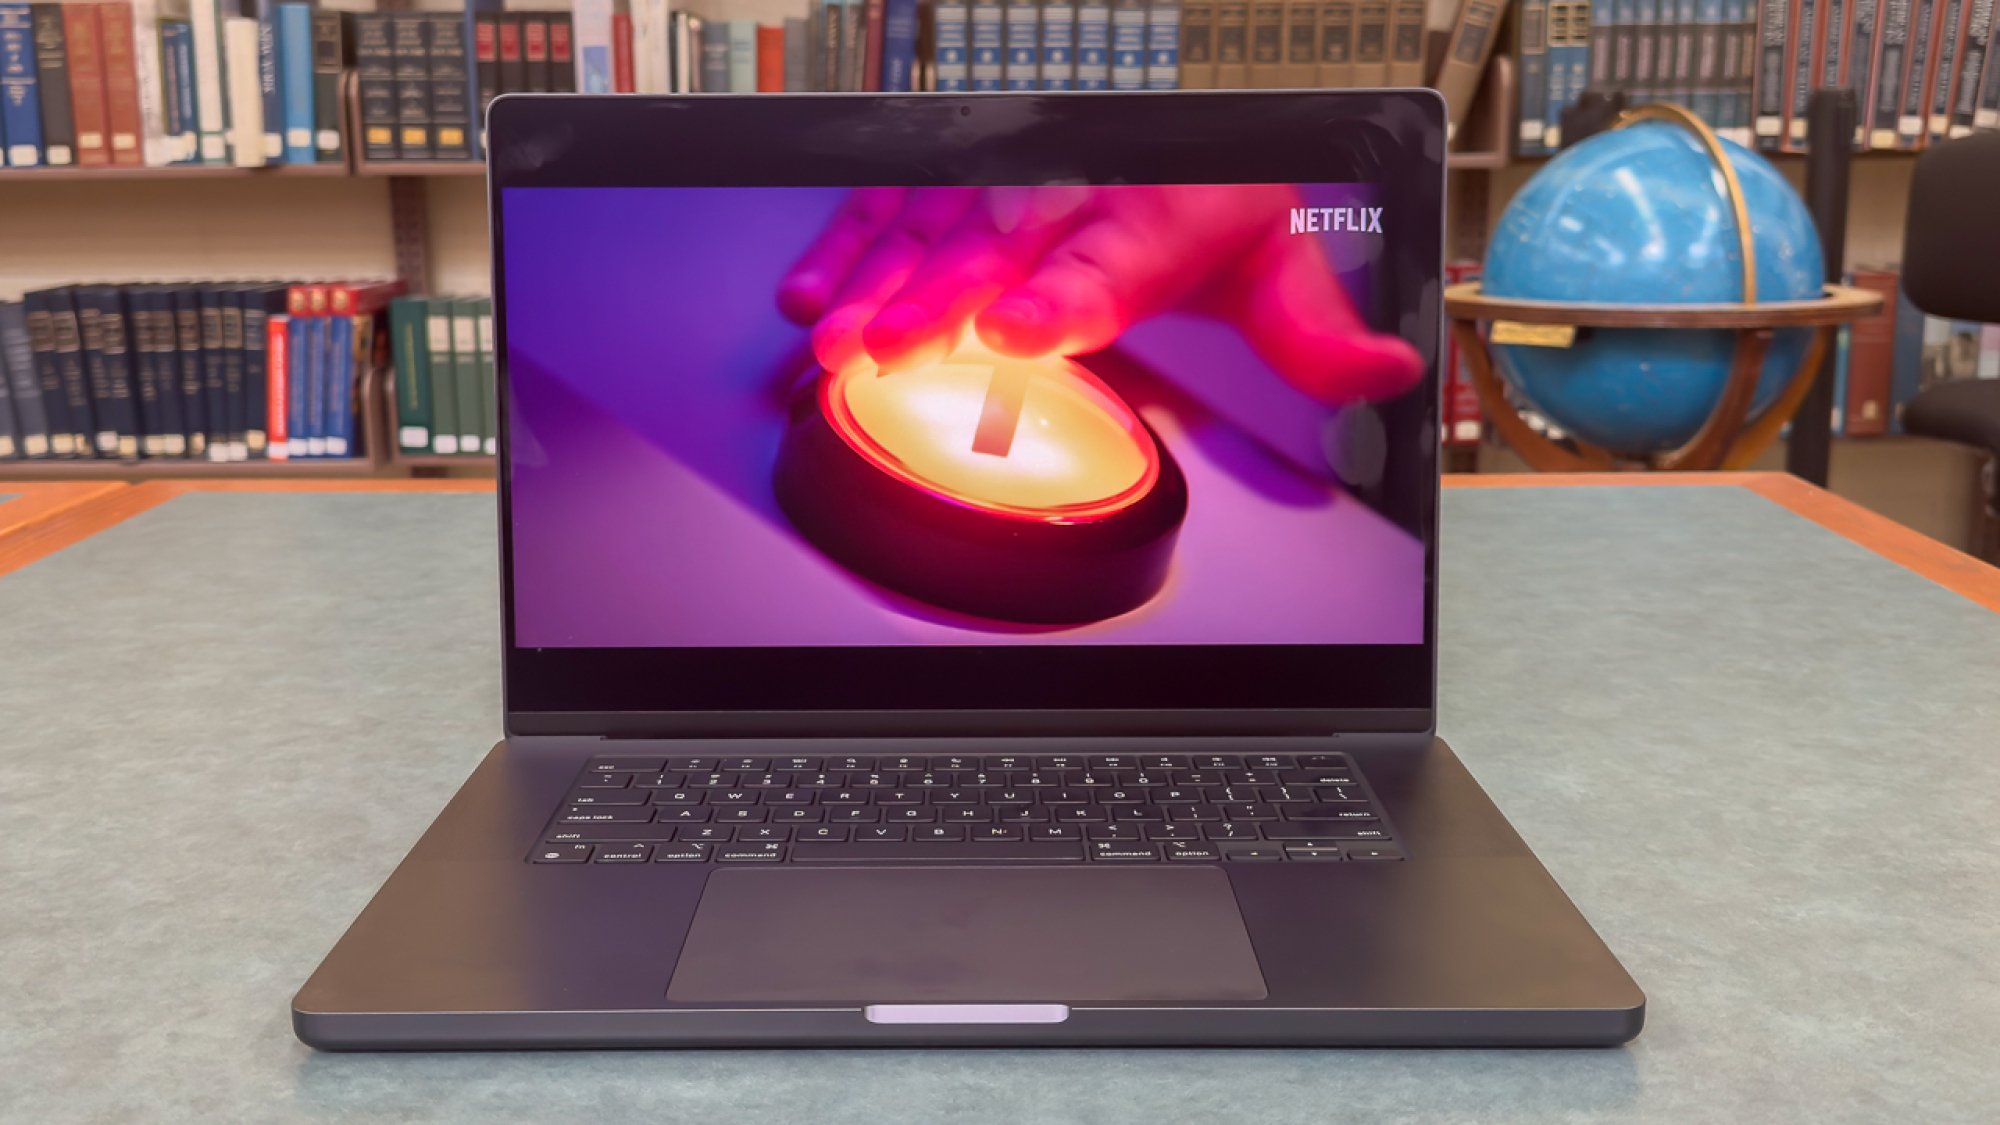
(621, 54)
(871, 62)
(513, 75)
(1871, 358)
(277, 384)
(562, 64)
(770, 59)
(360, 298)
(1461, 413)
(121, 82)
(86, 84)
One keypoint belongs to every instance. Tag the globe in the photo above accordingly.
(1641, 215)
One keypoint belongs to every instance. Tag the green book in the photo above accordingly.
(489, 382)
(410, 335)
(444, 385)
(465, 362)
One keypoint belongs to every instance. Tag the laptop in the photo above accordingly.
(969, 576)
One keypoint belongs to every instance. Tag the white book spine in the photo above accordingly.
(204, 23)
(153, 144)
(591, 45)
(246, 99)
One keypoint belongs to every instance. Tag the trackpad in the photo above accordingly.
(1067, 935)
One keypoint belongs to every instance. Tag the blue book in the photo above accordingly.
(20, 99)
(1837, 426)
(1531, 46)
(952, 30)
(899, 46)
(1163, 44)
(268, 89)
(339, 417)
(742, 36)
(1022, 68)
(177, 68)
(298, 354)
(988, 66)
(24, 384)
(1093, 45)
(1058, 45)
(295, 81)
(1907, 375)
(1128, 44)
(715, 56)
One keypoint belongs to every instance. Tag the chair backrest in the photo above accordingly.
(1951, 240)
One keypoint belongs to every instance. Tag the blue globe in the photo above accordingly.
(1640, 215)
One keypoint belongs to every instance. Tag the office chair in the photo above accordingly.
(1951, 268)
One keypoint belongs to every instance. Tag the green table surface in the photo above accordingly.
(1764, 761)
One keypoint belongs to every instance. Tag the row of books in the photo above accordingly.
(1921, 70)
(229, 371)
(154, 82)
(446, 395)
(424, 78)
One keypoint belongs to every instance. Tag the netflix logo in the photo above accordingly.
(1319, 220)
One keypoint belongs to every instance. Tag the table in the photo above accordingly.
(1757, 752)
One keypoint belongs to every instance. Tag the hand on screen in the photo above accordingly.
(899, 274)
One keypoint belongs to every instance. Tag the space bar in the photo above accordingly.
(941, 852)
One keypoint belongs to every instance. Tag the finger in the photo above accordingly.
(992, 248)
(1099, 281)
(810, 283)
(885, 267)
(1292, 310)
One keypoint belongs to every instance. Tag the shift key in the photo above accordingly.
(1326, 830)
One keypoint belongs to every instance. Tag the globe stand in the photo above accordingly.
(1731, 437)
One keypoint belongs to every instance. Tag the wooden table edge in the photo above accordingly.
(37, 501)
(1953, 569)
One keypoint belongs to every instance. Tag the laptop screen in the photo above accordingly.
(1058, 415)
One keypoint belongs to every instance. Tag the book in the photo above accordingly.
(1163, 45)
(513, 67)
(1267, 44)
(52, 86)
(1465, 57)
(110, 395)
(443, 370)
(24, 384)
(38, 312)
(1862, 59)
(177, 81)
(1371, 43)
(1888, 75)
(1197, 45)
(410, 39)
(742, 40)
(770, 59)
(278, 373)
(375, 83)
(295, 83)
(684, 69)
(1298, 62)
(1406, 43)
(86, 84)
(410, 374)
(246, 102)
(1058, 71)
(159, 307)
(854, 46)
(1336, 44)
(467, 376)
(145, 370)
(715, 56)
(1706, 94)
(1531, 47)
(10, 448)
(795, 48)
(211, 113)
(623, 81)
(1871, 359)
(873, 18)
(1773, 85)
(489, 387)
(1681, 70)
(952, 32)
(268, 89)
(235, 390)
(1918, 73)
(988, 42)
(262, 304)
(1020, 67)
(485, 66)
(535, 52)
(1986, 115)
(298, 370)
(1558, 93)
(329, 51)
(20, 87)
(590, 24)
(475, 15)
(184, 311)
(1232, 45)
(453, 118)
(1975, 53)
(562, 53)
(214, 381)
(1946, 37)
(1603, 16)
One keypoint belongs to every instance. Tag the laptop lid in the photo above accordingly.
(968, 414)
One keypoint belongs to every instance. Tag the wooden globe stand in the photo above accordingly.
(1732, 436)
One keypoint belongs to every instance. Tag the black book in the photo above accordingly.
(410, 37)
(114, 330)
(153, 307)
(562, 52)
(535, 51)
(233, 389)
(69, 363)
(214, 396)
(486, 58)
(145, 373)
(513, 61)
(23, 385)
(451, 118)
(101, 330)
(260, 304)
(184, 303)
(52, 83)
(42, 346)
(328, 51)
(375, 79)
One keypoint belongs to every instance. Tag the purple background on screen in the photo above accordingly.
(648, 369)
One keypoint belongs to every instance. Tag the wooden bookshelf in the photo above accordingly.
(171, 172)
(165, 468)
(366, 167)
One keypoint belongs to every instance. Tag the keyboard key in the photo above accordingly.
(657, 780)
(694, 765)
(1022, 814)
(685, 814)
(678, 797)
(797, 814)
(561, 853)
(1130, 813)
(993, 833)
(1326, 830)
(750, 853)
(1194, 813)
(900, 797)
(1010, 797)
(966, 814)
(1218, 761)
(1004, 762)
(908, 814)
(746, 765)
(1251, 853)
(1231, 831)
(1054, 831)
(1160, 761)
(604, 780)
(795, 765)
(848, 763)
(823, 832)
(1172, 832)
(681, 853)
(967, 852)
(1249, 812)
(1121, 796)
(1284, 794)
(623, 853)
(789, 797)
(606, 815)
(610, 833)
(844, 797)
(1316, 777)
(1374, 852)
(741, 814)
(734, 797)
(704, 834)
(1114, 832)
(928, 832)
(905, 762)
(1122, 852)
(614, 765)
(1114, 762)
(1267, 761)
(1081, 814)
(1348, 810)
(881, 834)
(1065, 796)
(610, 797)
(1193, 853)
(1322, 762)
(1315, 853)
(763, 833)
(1334, 794)
(856, 814)
(954, 764)
(955, 796)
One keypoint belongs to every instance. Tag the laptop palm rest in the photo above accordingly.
(967, 935)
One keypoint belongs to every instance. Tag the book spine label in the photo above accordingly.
(52, 73)
(1916, 74)
(1976, 52)
(20, 94)
(951, 28)
(1163, 45)
(295, 83)
(1021, 68)
(988, 44)
(86, 84)
(269, 89)
(210, 116)
(899, 44)
(410, 35)
(451, 115)
(329, 49)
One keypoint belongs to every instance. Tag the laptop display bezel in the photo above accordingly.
(1392, 138)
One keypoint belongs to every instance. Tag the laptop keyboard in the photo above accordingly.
(1043, 808)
